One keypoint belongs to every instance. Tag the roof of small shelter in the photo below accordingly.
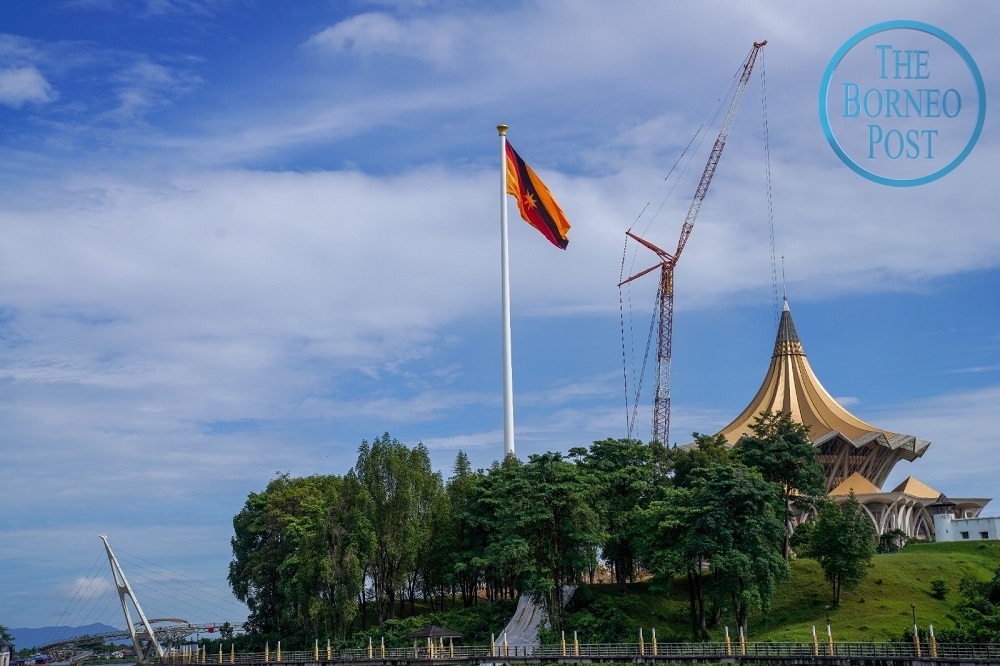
(434, 631)
(790, 386)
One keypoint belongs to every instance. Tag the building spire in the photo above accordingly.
(787, 341)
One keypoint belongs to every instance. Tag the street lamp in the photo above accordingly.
(913, 609)
(828, 616)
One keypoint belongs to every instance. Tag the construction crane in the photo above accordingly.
(665, 293)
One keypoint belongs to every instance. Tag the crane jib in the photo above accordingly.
(665, 294)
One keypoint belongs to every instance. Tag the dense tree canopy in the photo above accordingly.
(327, 555)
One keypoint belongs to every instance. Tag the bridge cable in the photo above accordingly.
(75, 600)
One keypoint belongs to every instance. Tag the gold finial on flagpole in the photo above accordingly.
(502, 129)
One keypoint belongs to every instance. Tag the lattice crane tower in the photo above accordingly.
(665, 293)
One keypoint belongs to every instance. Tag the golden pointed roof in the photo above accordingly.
(791, 387)
(916, 488)
(859, 484)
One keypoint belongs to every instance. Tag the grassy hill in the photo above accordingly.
(878, 609)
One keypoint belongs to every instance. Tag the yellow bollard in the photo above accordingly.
(204, 654)
(369, 647)
(562, 642)
(278, 657)
(267, 651)
(743, 642)
(451, 648)
(414, 648)
(642, 644)
(382, 647)
(493, 646)
(576, 645)
(930, 629)
(729, 645)
(220, 652)
(815, 643)
(829, 640)
(316, 649)
(232, 653)
(506, 651)
(329, 656)
(653, 629)
(916, 640)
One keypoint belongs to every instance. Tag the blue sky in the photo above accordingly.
(241, 237)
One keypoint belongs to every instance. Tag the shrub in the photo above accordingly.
(939, 589)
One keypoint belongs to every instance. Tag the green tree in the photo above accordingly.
(844, 543)
(781, 449)
(671, 546)
(493, 512)
(623, 472)
(891, 541)
(739, 533)
(539, 525)
(668, 523)
(691, 465)
(977, 615)
(293, 563)
(560, 525)
(466, 544)
(399, 484)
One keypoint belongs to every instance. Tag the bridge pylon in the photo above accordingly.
(125, 590)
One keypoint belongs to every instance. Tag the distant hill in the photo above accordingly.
(35, 637)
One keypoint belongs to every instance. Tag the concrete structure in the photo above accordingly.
(856, 456)
(949, 528)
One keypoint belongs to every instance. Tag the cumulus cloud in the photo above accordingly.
(24, 85)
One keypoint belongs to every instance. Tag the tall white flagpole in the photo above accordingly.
(508, 371)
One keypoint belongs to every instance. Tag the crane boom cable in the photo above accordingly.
(716, 154)
(696, 140)
(770, 198)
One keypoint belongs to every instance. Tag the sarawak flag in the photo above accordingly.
(534, 200)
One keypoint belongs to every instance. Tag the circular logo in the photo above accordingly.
(902, 103)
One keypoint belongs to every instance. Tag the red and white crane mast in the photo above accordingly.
(665, 293)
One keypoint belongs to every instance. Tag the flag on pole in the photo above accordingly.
(534, 200)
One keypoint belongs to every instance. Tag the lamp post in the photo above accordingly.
(829, 633)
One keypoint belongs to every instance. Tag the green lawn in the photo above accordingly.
(878, 609)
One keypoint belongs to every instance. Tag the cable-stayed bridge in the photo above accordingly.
(100, 597)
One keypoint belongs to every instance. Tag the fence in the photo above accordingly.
(651, 651)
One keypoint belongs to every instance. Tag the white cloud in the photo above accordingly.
(433, 40)
(23, 85)
(963, 428)
(85, 588)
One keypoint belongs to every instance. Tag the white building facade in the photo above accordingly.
(949, 528)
